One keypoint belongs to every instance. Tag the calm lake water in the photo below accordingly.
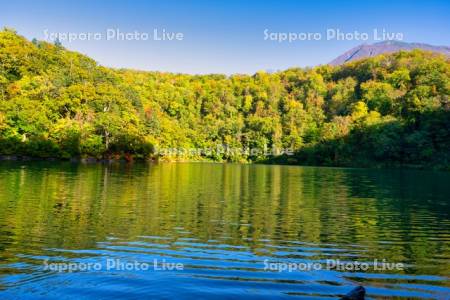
(230, 230)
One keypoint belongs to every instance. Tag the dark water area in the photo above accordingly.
(227, 231)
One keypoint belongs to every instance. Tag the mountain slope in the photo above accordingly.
(55, 103)
(365, 50)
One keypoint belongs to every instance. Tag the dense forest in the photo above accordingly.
(389, 110)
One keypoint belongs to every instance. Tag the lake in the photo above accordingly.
(205, 230)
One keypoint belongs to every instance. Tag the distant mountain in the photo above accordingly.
(366, 50)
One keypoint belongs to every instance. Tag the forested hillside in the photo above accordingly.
(387, 110)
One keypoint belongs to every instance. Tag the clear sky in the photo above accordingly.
(223, 36)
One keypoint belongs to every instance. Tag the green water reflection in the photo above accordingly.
(397, 215)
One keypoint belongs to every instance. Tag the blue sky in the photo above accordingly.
(224, 36)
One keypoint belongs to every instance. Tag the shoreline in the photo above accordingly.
(92, 160)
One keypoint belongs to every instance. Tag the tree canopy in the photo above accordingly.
(390, 109)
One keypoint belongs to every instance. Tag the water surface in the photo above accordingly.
(223, 223)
